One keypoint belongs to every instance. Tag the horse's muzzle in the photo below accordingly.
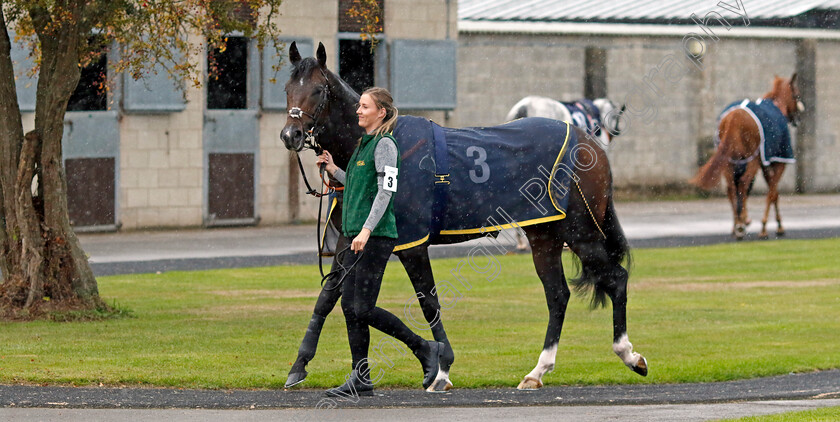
(797, 114)
(292, 136)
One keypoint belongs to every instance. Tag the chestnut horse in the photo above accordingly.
(740, 153)
(322, 116)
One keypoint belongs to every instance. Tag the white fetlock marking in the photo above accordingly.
(441, 384)
(442, 375)
(545, 364)
(624, 349)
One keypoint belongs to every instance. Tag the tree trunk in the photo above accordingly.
(45, 268)
(11, 136)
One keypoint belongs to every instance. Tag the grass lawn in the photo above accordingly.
(826, 414)
(710, 313)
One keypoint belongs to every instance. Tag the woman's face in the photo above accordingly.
(370, 116)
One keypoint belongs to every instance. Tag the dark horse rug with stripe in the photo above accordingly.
(484, 179)
(773, 128)
(585, 115)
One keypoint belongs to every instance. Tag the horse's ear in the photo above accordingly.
(793, 79)
(322, 55)
(294, 54)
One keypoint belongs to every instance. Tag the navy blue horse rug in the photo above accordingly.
(477, 180)
(773, 127)
(585, 115)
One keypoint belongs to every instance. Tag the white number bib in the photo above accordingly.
(389, 182)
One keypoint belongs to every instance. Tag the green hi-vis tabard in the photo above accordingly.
(360, 189)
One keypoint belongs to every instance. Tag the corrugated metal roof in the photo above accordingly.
(629, 10)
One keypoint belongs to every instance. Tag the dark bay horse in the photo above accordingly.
(753, 136)
(599, 118)
(322, 116)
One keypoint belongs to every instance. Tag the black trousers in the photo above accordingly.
(359, 293)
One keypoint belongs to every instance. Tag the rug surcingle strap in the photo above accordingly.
(441, 189)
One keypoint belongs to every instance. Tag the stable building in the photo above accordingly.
(675, 63)
(158, 153)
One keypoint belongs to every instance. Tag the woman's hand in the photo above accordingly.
(327, 159)
(360, 241)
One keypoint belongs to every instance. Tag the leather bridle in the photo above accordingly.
(311, 142)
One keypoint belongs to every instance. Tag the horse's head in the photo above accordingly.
(610, 116)
(786, 96)
(307, 99)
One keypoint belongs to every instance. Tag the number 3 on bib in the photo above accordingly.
(389, 182)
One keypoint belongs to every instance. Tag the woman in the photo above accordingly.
(368, 219)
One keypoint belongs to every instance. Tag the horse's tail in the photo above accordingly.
(709, 175)
(618, 254)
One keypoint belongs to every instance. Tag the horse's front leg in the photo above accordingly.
(326, 302)
(547, 260)
(419, 269)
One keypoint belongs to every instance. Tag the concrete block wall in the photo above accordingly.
(161, 169)
(824, 158)
(495, 71)
(651, 77)
(422, 19)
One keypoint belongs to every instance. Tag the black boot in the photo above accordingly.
(429, 356)
(306, 352)
(356, 385)
(448, 356)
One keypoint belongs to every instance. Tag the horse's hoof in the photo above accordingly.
(763, 236)
(295, 378)
(530, 384)
(641, 367)
(441, 385)
(780, 233)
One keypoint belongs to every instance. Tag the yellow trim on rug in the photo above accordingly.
(505, 226)
(556, 162)
(329, 214)
(411, 245)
